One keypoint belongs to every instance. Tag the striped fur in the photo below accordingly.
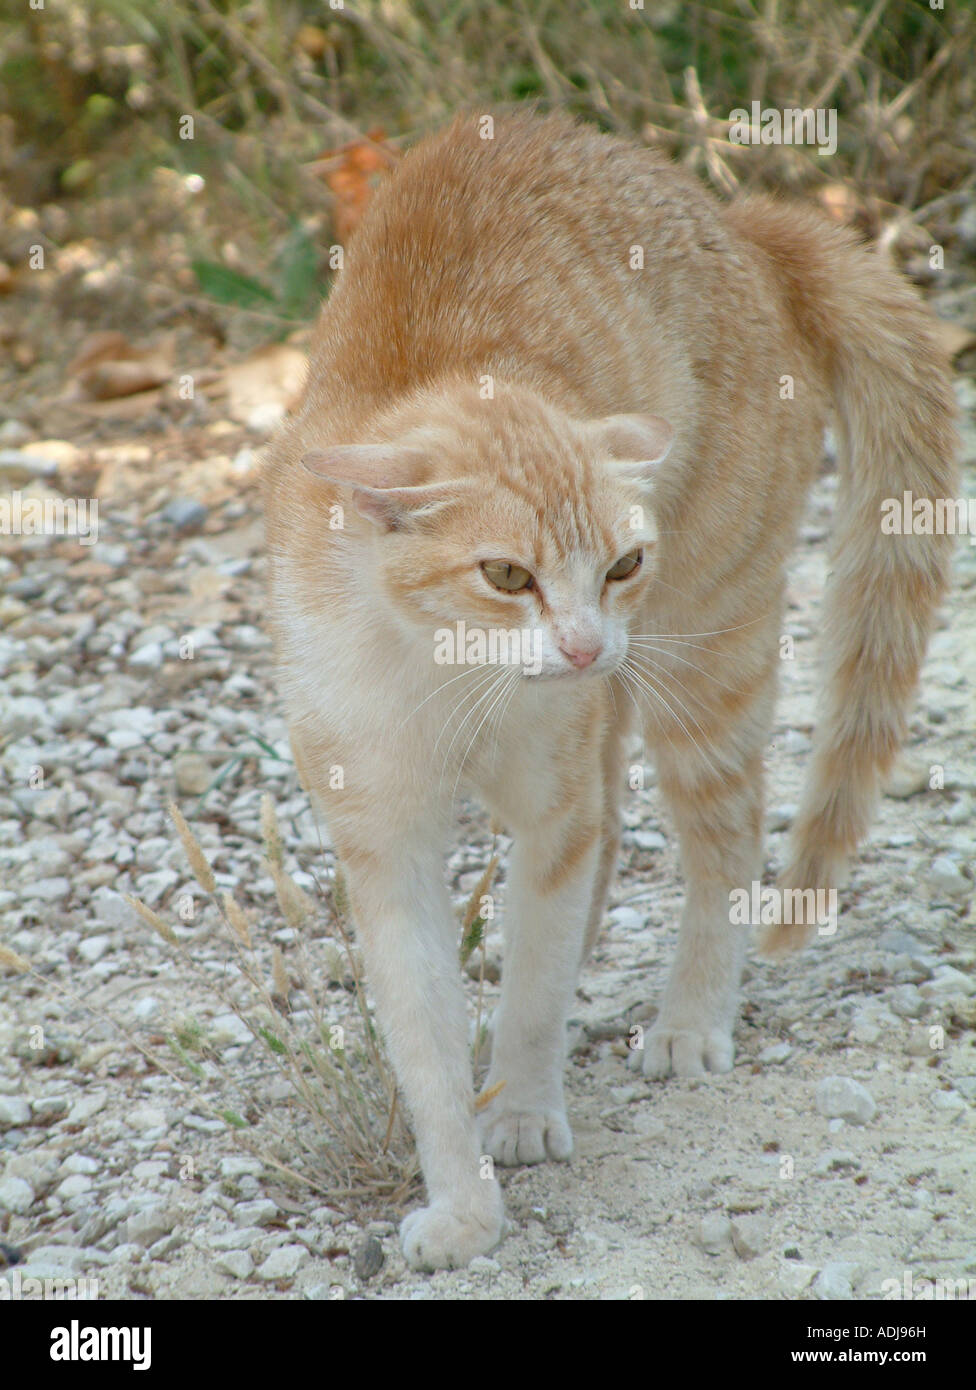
(504, 302)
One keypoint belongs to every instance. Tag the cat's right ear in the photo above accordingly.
(361, 465)
(637, 443)
(379, 477)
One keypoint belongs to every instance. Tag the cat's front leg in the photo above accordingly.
(408, 934)
(718, 813)
(550, 889)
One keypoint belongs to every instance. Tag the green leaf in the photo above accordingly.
(275, 1044)
(473, 938)
(232, 1118)
(193, 1067)
(78, 175)
(300, 283)
(271, 751)
(228, 287)
(225, 771)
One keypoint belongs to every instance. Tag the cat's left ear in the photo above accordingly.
(638, 443)
(376, 474)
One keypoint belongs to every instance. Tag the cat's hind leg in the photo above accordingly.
(617, 738)
(711, 778)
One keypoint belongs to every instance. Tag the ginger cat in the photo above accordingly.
(550, 393)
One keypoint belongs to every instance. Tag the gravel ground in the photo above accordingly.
(766, 1183)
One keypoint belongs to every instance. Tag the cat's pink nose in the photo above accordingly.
(581, 656)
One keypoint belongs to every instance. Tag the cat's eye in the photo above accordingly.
(504, 575)
(626, 565)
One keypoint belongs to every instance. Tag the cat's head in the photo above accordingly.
(484, 518)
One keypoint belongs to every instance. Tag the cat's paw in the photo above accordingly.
(441, 1237)
(670, 1051)
(527, 1137)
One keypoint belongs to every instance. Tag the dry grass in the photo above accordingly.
(341, 1131)
(95, 93)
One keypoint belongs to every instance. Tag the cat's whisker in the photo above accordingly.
(676, 642)
(608, 681)
(627, 682)
(644, 647)
(499, 690)
(486, 673)
(463, 696)
(702, 703)
(645, 639)
(647, 665)
(682, 593)
(510, 695)
(642, 674)
(642, 678)
(468, 671)
(490, 699)
(715, 632)
(487, 688)
(655, 695)
(477, 697)
(643, 686)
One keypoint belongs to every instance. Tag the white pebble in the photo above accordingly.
(947, 981)
(256, 1213)
(93, 948)
(284, 1262)
(715, 1233)
(834, 1281)
(946, 877)
(16, 1195)
(74, 1186)
(13, 1111)
(236, 1263)
(841, 1097)
(750, 1235)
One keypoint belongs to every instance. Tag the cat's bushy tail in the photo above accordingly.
(895, 413)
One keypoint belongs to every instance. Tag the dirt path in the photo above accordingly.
(734, 1187)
